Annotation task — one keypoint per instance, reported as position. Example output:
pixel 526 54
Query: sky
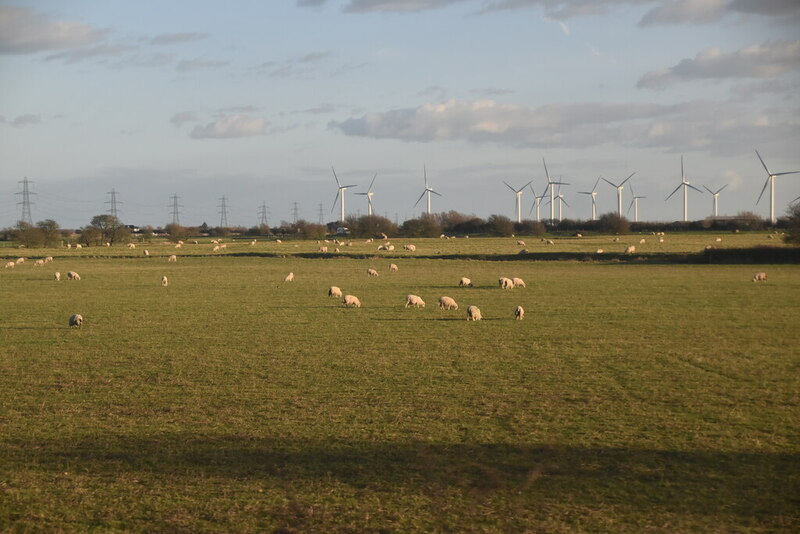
pixel 255 102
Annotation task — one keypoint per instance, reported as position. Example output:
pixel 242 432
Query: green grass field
pixel 633 397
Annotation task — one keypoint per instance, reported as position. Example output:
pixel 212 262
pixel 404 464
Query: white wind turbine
pixel 619 188
pixel 634 205
pixel 771 182
pixel 550 185
pixel 340 191
pixel 369 195
pixel 715 197
pixel 518 195
pixel 537 202
pixel 559 197
pixel 428 190
pixel 686 185
pixel 593 194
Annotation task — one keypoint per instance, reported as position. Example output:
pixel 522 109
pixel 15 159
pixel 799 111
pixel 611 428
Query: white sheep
pixel 48 259
pixel 465 282
pixel 641 241
pixel 224 245
pixel 20 260
pixel 164 281
pixel 38 263
pixel 69 245
pixel 411 248
pixel 521 243
pixel 351 301
pixel 10 265
pixel 473 313
pixel 57 276
pixel 599 251
pixel 334 291
pixel 322 249
pixel 278 241
pixel 252 243
pixel 172 258
pixel 447 303
pixel 518 282
pixel 550 242
pixel 506 283
pixel 75 320
pixel 107 244
pixel 72 275
pixel 180 242
pixel 216 248
pixel 336 250
pixel 289 278
pixel 718 240
pixel 630 250
pixel 215 241
pixel 390 247
pixel 372 272
pixel 523 251
pixel 393 267
pixel 146 252
pixel 130 245
pixel 178 245
pixel 660 239
pixel 78 246
pixel 760 277
pixel 519 313
pixel 414 300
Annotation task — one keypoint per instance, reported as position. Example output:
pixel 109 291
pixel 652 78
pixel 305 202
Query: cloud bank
pixel 24 31
pixel 230 127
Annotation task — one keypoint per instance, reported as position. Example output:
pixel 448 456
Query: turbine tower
pixel 518 195
pixel 593 194
pixel 771 182
pixel 369 194
pixel 340 191
pixel 685 186
pixel 550 185
pixel 634 205
pixel 537 202
pixel 619 188
pixel 715 198
pixel 428 190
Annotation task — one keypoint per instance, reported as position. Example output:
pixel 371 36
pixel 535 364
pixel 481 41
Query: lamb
pixel 760 277
pixel 473 313
pixel 465 282
pixel 72 275
pixel 519 313
pixel 172 258
pixel 289 278
pixel 351 301
pixel 518 282
pixel 447 303
pixel 414 300
pixel 164 281
pixel 57 276
pixel 630 250
pixel 10 265
pixel 75 320
pixel 69 245
pixel 412 248
pixel 393 267
pixel 372 272
pixel 506 283
pixel 334 292
pixel 224 245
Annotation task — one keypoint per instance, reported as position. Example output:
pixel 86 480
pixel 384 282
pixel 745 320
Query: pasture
pixel 632 397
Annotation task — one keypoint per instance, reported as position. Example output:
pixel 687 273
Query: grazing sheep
pixel 278 241
pixel 412 248
pixel 20 260
pixel 521 243
pixel 518 282
pixel 289 278
pixel 216 248
pixel 519 313
pixel 372 272
pixel 760 277
pixel 146 252
pixel 630 250
pixel 600 251
pixel 393 268
pixel 322 249
pixel 107 244
pixel 770 236
pixel 465 282
pixel 390 248
pixel 660 239
pixel 224 245
pixel 336 250
pixel 72 275
pixel 506 283
pixel 253 242
pixel 473 313
pixel 382 247
pixel 334 292
pixel 78 246
pixel 615 240
pixel 164 281
pixel 75 320
pixel 523 251
pixel 10 265
pixel 550 242
pixel 215 241
pixel 579 234
pixel 414 300
pixel 351 301
pixel 180 242
pixel 38 263
pixel 57 276
pixel 447 303
pixel 179 245
pixel 130 245
pixel 641 241
pixel 48 259
pixel 69 245
pixel 172 258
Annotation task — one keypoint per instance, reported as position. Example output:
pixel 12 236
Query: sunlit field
pixel 634 396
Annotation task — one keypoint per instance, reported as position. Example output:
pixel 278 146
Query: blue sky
pixel 255 101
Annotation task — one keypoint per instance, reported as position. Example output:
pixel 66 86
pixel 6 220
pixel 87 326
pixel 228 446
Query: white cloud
pixel 23 120
pixel 23 31
pixel 91 52
pixel 402 6
pixel 179 119
pixel 177 38
pixel 231 126
pixel 766 60
pixel 188 65
pixel 686 12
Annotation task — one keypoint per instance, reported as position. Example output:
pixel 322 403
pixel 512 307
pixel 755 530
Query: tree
pixel 425 226
pixel 793 225
pixel 309 230
pixel 500 225
pixel 176 232
pixel 370 226
pixel 28 235
pixel 611 223
pixel 110 229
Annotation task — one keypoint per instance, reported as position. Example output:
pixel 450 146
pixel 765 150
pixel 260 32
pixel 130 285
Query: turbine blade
pixel 763 188
pixel 372 182
pixel 682 180
pixel 526 185
pixel 762 163
pixel 795 200
pixel 532 189
pixel 334 200
pixel 514 190
pixel 626 179
pixel 435 193
pixel 584 192
pixel 425 173
pixel 337 178
pixel 545 170
pixel 782 173
pixel 595 184
pixel 630 206
pixel 610 183
pixel 675 191
pixel 709 190
pixel 693 187
pixel 565 202
pixel 420 198
pixel 351 185
pixel 720 189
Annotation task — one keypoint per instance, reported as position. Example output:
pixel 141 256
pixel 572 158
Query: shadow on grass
pixel 751 485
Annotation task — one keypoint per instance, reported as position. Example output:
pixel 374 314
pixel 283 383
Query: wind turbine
pixel 593 193
pixel 561 202
pixel 771 181
pixel 634 205
pixel 715 197
pixel 518 194
pixel 369 194
pixel 550 185
pixel 428 190
pixel 537 202
pixel 619 187
pixel 340 191
pixel 685 186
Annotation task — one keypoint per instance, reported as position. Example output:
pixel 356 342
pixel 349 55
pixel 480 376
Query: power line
pixel 176 218
pixel 295 211
pixel 223 213
pixel 321 216
pixel 263 213
pixel 26 201
pixel 113 211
